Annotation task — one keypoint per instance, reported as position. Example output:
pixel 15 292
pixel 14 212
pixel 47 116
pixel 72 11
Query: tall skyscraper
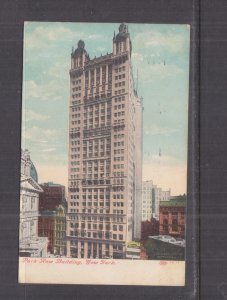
pixel 105 157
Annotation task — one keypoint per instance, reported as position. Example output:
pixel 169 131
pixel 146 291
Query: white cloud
pixel 40 37
pixel 60 70
pixel 49 150
pixel 153 39
pixel 43 37
pixel 151 72
pixel 137 56
pixel 100 50
pixel 41 135
pixel 92 36
pixel 51 90
pixel 30 115
pixel 158 130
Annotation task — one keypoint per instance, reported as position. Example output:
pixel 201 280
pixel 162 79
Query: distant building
pixel 151 197
pixel 29 243
pixel 52 217
pixel 172 217
pixel 149 228
pixel 53 195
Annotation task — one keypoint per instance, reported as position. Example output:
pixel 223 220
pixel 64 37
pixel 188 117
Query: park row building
pixel 105 157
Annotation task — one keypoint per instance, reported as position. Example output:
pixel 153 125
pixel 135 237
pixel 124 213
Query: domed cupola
pixel 122 42
pixel 79 56
pixel 123 32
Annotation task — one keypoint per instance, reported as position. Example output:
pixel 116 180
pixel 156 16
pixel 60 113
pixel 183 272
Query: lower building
pixel 46 228
pixel 172 217
pixel 133 250
pixel 60 231
pixel 149 228
pixel 165 248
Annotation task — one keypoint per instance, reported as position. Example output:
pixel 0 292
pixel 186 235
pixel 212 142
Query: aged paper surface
pixel 104 154
pixel 115 272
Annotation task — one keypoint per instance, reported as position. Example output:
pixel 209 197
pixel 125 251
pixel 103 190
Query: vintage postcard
pixel 104 153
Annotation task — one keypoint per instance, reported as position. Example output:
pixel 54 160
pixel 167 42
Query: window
pixel 174 225
pixel 121 237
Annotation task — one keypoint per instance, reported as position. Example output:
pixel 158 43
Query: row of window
pixel 96 218
pixel 78 95
pixel 119 114
pixel 118 92
pixel 76 81
pixel 121 69
pixel 75 108
pixel 118 84
pixel 77 102
pixel 119 76
pixel 75 156
pixel 75 89
pixel 96 226
pixel 119 158
pixel 75 116
pixel 117 144
pixel 119 106
pixel 94 203
pixel 118 166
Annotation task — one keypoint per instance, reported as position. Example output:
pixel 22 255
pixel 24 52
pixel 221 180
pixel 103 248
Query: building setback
pixel 105 158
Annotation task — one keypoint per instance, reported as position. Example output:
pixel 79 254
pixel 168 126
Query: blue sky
pixel 160 53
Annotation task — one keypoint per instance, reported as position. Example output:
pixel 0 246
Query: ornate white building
pixel 30 244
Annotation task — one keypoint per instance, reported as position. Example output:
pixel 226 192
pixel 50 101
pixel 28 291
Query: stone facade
pixel 29 243
pixel 105 158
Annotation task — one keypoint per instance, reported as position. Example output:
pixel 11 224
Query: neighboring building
pixel 46 227
pixel 149 228
pixel 60 231
pixel 53 195
pixel 151 197
pixel 105 157
pixel 133 250
pixel 172 217
pixel 29 242
pixel 52 201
